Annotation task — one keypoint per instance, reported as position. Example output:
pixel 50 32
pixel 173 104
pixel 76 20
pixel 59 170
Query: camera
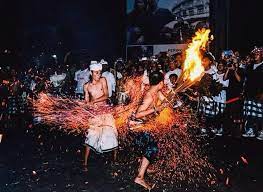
pixel 228 53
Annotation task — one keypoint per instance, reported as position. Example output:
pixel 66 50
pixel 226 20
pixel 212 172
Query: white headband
pixel 103 62
pixel 144 59
pixel 95 66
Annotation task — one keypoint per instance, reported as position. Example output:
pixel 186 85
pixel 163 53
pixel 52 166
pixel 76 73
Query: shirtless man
pixel 96 91
pixel 96 94
pixel 149 106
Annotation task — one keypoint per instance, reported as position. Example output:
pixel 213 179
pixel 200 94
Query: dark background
pixel 98 27
pixel 236 24
pixel 57 26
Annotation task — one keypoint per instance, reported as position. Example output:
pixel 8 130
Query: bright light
pixel 193 70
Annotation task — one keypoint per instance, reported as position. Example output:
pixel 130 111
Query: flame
pixel 192 67
pixel 193 63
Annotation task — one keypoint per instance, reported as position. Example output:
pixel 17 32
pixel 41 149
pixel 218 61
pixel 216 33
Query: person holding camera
pixel 233 111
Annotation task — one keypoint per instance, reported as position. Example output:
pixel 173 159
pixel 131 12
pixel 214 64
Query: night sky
pixel 62 25
pixel 98 27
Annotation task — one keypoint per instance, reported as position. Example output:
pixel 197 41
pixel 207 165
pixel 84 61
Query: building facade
pixel 191 10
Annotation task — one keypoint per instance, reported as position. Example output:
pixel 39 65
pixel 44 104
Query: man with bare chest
pixel 96 91
pixel 145 142
pixel 102 133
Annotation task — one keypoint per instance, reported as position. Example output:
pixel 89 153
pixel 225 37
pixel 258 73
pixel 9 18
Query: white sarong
pixel 102 134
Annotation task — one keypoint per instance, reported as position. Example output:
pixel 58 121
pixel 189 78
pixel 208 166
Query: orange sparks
pixel 165 117
pixel 179 158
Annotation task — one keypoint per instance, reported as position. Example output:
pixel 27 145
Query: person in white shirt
pixel 57 80
pixel 212 70
pixel 219 77
pixel 208 61
pixel 82 76
pixel 111 82
pixel 220 99
pixel 172 70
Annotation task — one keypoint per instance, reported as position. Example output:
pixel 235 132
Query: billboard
pixel 139 51
pixel 152 22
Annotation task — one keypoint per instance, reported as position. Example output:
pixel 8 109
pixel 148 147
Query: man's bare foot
pixel 141 182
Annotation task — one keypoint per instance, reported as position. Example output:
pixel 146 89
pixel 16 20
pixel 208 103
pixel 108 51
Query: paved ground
pixel 41 160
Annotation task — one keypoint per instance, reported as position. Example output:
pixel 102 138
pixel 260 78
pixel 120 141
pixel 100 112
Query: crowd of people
pixel 235 110
pixel 229 96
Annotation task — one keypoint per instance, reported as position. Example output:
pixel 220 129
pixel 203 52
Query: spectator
pixel 220 99
pixel 253 106
pixel 111 82
pixel 206 106
pixel 57 80
pixel 178 57
pixel 172 70
pixel 172 80
pixel 208 63
pixel 82 76
pixel 235 75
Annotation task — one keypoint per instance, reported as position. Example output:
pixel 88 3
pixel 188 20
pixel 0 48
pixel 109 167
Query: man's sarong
pixel 102 134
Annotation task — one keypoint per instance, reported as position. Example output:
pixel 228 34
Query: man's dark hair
pixel 209 56
pixel 173 75
pixel 156 77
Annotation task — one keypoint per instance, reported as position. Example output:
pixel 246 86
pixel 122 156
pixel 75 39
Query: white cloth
pixel 209 107
pixel 81 77
pixel 257 65
pixel 242 66
pixel 221 97
pixel 57 79
pixel 102 133
pixel 33 85
pixel 103 62
pixel 93 62
pixel 144 59
pixel 111 82
pixel 167 77
pixel 119 75
pixel 95 66
pixel 212 70
pixel 253 109
pixel 145 78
